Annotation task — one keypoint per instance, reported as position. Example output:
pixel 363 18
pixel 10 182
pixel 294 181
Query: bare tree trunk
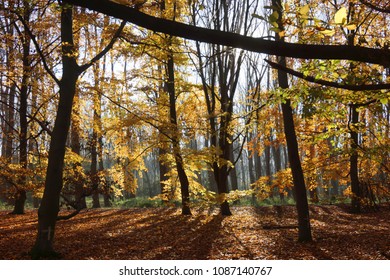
pixel 354 136
pixel 267 158
pixel 163 171
pixel 20 198
pixel 354 172
pixel 304 229
pixel 184 183
pixel 233 174
pixel 96 132
pixel 75 139
pixel 49 208
pixel 278 166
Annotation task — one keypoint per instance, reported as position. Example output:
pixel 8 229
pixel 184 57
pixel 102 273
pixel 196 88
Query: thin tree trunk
pixel 233 174
pixel 267 158
pixel 354 173
pixel 21 196
pixel 184 183
pixel 75 140
pixel 304 229
pixel 96 131
pixel 76 148
pixel 163 171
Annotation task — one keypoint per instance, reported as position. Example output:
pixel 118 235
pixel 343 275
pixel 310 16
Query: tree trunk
pixel 76 148
pixel 49 208
pixel 96 132
pixel 267 157
pixel 20 198
pixel 221 170
pixel 354 136
pixel 184 183
pixel 304 229
pixel 278 166
pixel 79 191
pixel 163 171
pixel 233 174
pixel 94 171
pixel 354 173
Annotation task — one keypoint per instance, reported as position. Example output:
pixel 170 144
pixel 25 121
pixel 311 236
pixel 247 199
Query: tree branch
pixel 106 49
pixel 327 83
pixel 306 51
pixel 376 8
pixel 37 47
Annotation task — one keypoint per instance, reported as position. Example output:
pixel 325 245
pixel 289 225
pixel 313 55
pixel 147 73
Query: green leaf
pixel 341 16
pixel 273 17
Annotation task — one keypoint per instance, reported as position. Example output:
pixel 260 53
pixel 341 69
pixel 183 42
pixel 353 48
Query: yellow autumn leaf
pixel 328 32
pixel 304 10
pixel 351 26
pixel 341 16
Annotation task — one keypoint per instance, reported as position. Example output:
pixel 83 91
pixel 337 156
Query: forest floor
pixel 162 233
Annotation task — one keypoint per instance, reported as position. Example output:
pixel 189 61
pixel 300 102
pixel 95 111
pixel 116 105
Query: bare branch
pixel 37 47
pixel 106 49
pixel 376 8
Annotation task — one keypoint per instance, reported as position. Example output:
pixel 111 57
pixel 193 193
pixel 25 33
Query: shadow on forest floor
pixel 162 233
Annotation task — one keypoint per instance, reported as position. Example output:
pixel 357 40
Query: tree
pixel 174 135
pixel 304 230
pixel 219 69
pixel 49 208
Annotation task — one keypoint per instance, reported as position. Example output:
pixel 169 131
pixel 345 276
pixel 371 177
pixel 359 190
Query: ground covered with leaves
pixel 162 233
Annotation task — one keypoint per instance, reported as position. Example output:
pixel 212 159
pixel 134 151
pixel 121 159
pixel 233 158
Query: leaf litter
pixel 163 234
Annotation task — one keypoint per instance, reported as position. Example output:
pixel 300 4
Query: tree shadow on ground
pixel 158 235
pixel 163 233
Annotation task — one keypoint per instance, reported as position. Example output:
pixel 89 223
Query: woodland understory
pixel 164 234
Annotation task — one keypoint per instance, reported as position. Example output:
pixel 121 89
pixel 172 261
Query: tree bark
pixel 184 183
pixel 49 208
pixel 304 229
pixel 20 197
pixel 353 161
pixel 163 171
pixel 233 174
pixel 76 148
pixel 96 131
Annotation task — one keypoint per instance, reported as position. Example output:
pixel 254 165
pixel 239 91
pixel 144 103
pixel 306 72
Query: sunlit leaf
pixel 341 16
pixel 328 32
pixel 304 10
pixel 351 26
